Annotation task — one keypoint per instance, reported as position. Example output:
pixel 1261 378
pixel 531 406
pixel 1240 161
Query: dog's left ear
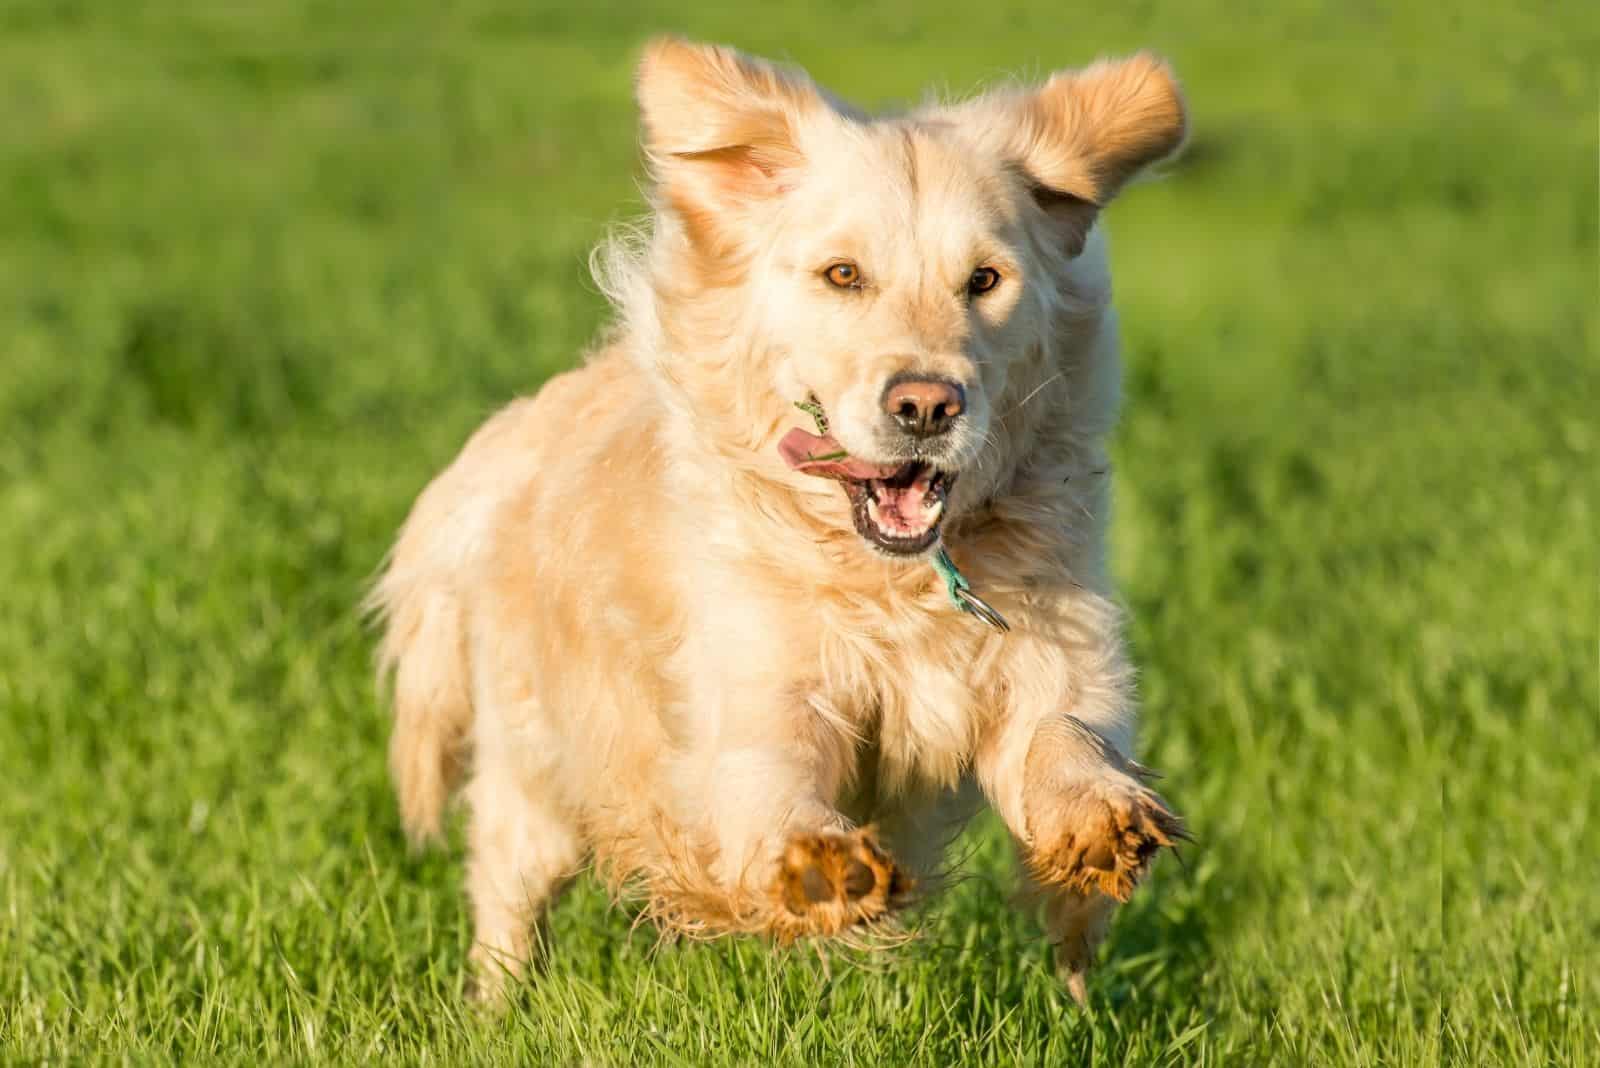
pixel 1083 134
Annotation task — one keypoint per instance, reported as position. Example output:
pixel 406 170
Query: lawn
pixel 264 266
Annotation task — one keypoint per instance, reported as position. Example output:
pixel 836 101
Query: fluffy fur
pixel 631 634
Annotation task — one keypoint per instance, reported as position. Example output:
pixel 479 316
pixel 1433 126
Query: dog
pixel 807 559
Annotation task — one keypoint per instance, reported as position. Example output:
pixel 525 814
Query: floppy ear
pixel 720 129
pixel 1083 134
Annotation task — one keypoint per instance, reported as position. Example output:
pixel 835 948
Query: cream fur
pixel 648 642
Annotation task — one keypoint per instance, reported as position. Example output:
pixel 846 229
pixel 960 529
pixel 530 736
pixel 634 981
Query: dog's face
pixel 891 271
pixel 892 294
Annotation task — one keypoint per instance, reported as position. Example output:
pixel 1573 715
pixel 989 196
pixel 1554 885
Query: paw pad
pixel 827 882
pixel 1104 840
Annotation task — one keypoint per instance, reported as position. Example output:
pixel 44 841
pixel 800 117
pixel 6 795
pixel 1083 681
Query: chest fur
pixel 916 693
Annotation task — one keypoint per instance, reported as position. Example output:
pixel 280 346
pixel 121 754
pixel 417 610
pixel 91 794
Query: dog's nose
pixel 924 406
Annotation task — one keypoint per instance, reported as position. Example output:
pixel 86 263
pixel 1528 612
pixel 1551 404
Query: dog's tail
pixel 425 656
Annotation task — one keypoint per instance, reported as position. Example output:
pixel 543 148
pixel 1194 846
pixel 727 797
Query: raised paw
pixel 1101 837
pixel 832 880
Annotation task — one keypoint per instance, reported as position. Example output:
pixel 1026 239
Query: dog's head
pixel 895 272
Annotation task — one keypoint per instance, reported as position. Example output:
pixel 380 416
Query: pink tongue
pixel 821 455
pixel 906 502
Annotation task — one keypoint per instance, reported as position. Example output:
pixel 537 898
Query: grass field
pixel 263 267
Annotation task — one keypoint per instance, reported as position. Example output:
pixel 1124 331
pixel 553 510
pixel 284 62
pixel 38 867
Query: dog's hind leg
pixel 523 847
pixel 1076 925
pixel 919 829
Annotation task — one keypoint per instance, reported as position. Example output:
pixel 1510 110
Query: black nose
pixel 924 406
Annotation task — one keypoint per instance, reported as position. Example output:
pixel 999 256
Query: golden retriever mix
pixel 694 612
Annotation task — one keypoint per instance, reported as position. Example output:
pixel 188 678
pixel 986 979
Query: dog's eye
pixel 843 274
pixel 983 280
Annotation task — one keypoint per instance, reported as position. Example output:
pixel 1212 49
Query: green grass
pixel 263 267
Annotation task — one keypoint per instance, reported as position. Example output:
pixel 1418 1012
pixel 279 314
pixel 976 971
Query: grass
pixel 262 268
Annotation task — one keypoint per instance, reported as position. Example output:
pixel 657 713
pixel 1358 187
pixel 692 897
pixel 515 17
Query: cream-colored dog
pixel 663 619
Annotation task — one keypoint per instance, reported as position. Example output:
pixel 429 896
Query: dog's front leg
pixel 1055 763
pixel 759 779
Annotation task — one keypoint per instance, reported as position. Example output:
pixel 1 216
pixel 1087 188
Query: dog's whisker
pixel 990 442
pixel 1036 391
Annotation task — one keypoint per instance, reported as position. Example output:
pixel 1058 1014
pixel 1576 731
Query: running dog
pixel 808 558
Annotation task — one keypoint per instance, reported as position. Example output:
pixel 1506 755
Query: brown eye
pixel 843 275
pixel 983 280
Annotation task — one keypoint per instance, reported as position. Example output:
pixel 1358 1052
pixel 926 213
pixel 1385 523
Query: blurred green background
pixel 264 266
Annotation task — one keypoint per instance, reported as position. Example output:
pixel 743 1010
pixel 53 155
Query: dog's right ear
pixel 720 129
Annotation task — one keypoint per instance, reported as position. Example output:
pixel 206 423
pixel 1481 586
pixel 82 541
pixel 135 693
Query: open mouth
pixel 896 507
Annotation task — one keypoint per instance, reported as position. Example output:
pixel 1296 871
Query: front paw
pixel 1100 835
pixel 829 881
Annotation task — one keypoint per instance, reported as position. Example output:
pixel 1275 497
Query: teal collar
pixel 961 594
